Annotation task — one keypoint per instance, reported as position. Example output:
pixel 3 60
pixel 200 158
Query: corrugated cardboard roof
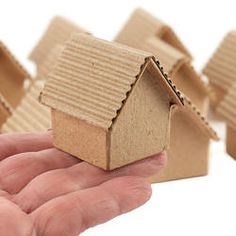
pixel 221 68
pixel 142 26
pixel 30 115
pixel 92 79
pixel 227 108
pixel 58 32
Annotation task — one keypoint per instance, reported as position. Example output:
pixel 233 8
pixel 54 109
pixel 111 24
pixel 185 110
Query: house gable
pixel 142 127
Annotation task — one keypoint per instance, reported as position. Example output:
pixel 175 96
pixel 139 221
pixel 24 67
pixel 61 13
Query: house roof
pixel 143 25
pixel 221 68
pixel 49 62
pixel 30 115
pixel 93 77
pixel 6 52
pixel 58 31
pixel 227 108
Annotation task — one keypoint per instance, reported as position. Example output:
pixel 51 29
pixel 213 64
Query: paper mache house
pixel 221 69
pixel 112 104
pixel 141 25
pixel 12 83
pixel 30 115
pixel 227 109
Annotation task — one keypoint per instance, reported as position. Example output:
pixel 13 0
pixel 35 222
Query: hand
pixel 44 191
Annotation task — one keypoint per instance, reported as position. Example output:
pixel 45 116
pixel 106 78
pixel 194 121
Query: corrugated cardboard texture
pixel 231 141
pixel 142 127
pixel 30 115
pixel 188 152
pixel 58 31
pixel 79 138
pixel 104 77
pixel 221 68
pixel 92 79
pixel 227 108
pixel 142 26
pixel 12 77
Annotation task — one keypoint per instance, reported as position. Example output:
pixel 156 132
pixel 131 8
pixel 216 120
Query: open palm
pixel 46 192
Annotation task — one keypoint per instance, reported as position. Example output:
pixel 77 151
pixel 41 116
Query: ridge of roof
pixel 118 68
pixel 15 60
pixel 227 107
pixel 201 119
pixel 57 32
pixel 221 67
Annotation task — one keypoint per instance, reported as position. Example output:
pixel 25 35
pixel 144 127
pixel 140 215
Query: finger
pixel 13 221
pixel 59 182
pixel 11 144
pixel 71 214
pixel 19 170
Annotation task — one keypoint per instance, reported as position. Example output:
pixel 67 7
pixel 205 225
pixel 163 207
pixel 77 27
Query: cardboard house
pixel 111 104
pixel 58 31
pixel 221 69
pixel 227 109
pixel 30 115
pixel 142 25
pixel 178 67
pixel 12 82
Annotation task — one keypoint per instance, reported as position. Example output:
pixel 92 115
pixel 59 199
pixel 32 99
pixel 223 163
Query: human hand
pixel 46 192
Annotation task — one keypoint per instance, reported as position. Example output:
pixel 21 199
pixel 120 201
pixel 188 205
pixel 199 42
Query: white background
pixel 199 206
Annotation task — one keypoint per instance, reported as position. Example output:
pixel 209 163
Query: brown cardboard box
pixel 30 115
pixel 12 80
pixel 58 31
pixel 227 110
pixel 142 26
pixel 221 69
pixel 178 66
pixel 111 104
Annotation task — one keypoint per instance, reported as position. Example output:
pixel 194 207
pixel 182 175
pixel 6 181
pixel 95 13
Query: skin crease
pixel 46 192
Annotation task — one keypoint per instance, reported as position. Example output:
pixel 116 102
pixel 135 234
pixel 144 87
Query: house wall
pixel 185 79
pixel 142 127
pixel 231 142
pixel 188 152
pixel 80 139
pixel 11 79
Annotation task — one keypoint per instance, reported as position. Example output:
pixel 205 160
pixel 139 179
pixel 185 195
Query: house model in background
pixel 30 115
pixel 227 109
pixel 221 69
pixel 58 31
pixel 112 105
pixel 13 79
pixel 142 25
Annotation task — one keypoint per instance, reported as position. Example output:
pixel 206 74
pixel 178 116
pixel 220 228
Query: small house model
pixel 12 83
pixel 142 26
pixel 221 69
pixel 227 109
pixel 111 104
pixel 58 31
pixel 30 115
